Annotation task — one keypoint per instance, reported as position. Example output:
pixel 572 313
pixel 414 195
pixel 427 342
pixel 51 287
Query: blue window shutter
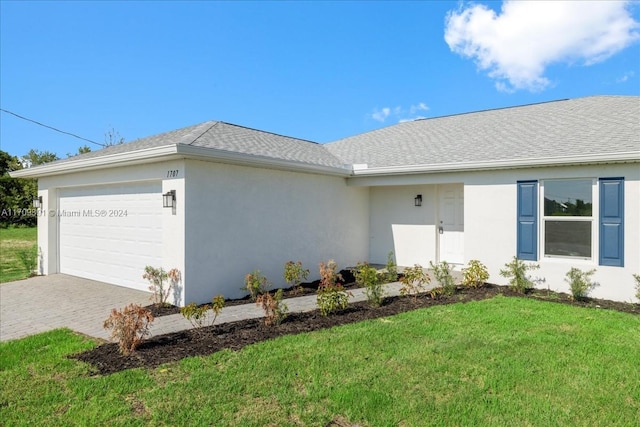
pixel 527 220
pixel 612 221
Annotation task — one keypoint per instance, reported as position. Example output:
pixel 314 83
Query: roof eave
pixel 633 156
pixel 242 159
pixel 174 151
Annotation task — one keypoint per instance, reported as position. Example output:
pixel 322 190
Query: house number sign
pixel 172 173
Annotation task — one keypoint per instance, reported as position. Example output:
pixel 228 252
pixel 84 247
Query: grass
pixel 504 361
pixel 19 252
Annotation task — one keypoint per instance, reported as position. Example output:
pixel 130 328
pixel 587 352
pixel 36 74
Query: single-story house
pixel 555 183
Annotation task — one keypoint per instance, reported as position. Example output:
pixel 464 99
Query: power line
pixel 51 127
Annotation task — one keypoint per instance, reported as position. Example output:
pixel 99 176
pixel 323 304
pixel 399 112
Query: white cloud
pixel 380 115
pixel 399 113
pixel 516 45
pixel 625 77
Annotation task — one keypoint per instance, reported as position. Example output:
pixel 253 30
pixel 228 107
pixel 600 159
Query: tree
pixel 81 150
pixel 112 137
pixel 16 194
pixel 36 157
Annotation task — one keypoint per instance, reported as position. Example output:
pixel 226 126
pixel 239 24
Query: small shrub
pixel 328 273
pixel 367 277
pixel 255 284
pixel 275 311
pixel 29 259
pixel 436 292
pixel 157 278
pixel 476 275
pixel 442 273
pixel 129 327
pixel 637 277
pixel 391 274
pixel 516 272
pixel 580 282
pixel 413 281
pixel 331 295
pixel 332 298
pixel 294 274
pixel 200 316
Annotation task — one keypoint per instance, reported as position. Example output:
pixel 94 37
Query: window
pixel 568 218
pixel 572 221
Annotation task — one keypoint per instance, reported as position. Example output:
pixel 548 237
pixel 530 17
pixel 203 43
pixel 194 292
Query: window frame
pixel 593 219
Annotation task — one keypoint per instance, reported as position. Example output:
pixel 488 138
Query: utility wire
pixel 50 127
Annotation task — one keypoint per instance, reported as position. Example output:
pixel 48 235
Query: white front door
pixel 451 223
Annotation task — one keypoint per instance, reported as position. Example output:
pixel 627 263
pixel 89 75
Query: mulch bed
pixel 157 350
pixel 310 288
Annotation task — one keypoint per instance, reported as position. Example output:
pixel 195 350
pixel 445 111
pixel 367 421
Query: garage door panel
pixel 110 233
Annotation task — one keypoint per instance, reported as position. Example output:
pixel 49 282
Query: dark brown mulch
pixel 172 347
pixel 348 282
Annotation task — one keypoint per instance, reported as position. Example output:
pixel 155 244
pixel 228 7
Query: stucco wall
pixel 172 225
pixel 398 225
pixel 490 234
pixel 490 222
pixel 239 219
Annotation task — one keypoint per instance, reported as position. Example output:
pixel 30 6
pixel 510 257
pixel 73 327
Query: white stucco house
pixel 556 183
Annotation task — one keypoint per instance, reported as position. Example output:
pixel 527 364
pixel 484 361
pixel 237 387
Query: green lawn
pixel 504 361
pixel 19 251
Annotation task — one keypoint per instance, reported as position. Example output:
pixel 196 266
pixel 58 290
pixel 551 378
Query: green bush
pixel 199 316
pixel 255 284
pixel 391 273
pixel 29 259
pixel 331 294
pixel 476 275
pixel 332 298
pixel 414 279
pixel 367 277
pixel 516 272
pixel 580 282
pixel 294 274
pixel 442 273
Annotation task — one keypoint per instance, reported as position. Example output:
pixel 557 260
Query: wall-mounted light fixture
pixel 37 202
pixel 418 200
pixel 169 200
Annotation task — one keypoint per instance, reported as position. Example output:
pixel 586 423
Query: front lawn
pixel 503 361
pixel 19 251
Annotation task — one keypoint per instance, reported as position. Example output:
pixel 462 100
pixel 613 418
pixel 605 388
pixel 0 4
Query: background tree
pixel 36 157
pixel 81 150
pixel 112 137
pixel 16 194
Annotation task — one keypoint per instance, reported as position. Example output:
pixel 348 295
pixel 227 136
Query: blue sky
pixel 314 70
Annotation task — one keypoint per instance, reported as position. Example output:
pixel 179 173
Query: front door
pixel 451 223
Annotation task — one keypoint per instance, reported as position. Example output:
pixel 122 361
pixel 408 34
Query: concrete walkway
pixel 44 303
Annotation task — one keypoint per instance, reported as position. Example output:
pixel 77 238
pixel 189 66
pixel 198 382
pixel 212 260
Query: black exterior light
pixel 37 202
pixel 418 200
pixel 169 199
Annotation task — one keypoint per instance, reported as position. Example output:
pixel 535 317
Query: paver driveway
pixel 43 303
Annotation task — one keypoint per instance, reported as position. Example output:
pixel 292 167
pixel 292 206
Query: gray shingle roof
pixel 583 126
pixel 597 125
pixel 231 138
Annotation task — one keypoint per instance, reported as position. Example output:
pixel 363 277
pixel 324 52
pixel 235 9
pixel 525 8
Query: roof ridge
pixel 270 133
pixel 499 108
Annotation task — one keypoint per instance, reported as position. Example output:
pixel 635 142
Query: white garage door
pixel 111 232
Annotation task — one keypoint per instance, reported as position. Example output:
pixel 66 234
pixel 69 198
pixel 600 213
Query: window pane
pixel 568 198
pixel 568 238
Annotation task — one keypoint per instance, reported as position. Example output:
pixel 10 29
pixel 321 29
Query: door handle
pixel 440 230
